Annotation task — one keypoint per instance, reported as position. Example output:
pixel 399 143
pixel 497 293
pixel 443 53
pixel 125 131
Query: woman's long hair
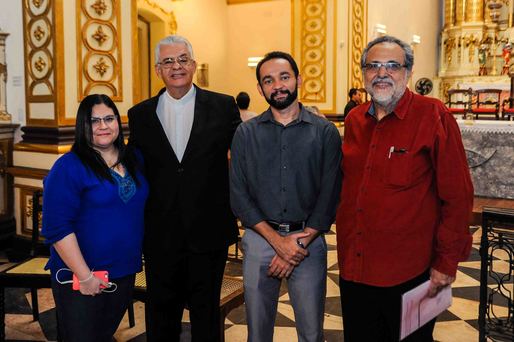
pixel 83 145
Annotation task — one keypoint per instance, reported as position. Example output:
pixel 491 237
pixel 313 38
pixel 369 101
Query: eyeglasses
pixel 108 120
pixel 390 67
pixel 168 63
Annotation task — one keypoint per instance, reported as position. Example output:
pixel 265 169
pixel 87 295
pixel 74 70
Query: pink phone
pixel 103 275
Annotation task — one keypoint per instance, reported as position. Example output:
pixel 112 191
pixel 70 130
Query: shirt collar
pixel 401 107
pixel 190 94
pixel 267 116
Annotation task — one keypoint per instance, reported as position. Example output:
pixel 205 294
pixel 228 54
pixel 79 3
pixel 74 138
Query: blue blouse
pixel 107 218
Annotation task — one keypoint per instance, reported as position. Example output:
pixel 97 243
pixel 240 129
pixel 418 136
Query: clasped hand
pixel 289 255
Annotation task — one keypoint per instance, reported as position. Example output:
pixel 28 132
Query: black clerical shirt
pixel 286 173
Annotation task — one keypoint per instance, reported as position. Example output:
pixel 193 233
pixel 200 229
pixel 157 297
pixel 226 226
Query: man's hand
pixel 288 249
pixel 279 268
pixel 438 280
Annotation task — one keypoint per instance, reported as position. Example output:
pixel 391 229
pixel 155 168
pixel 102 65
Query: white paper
pixel 418 308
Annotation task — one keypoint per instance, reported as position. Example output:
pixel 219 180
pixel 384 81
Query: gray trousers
pixel 306 286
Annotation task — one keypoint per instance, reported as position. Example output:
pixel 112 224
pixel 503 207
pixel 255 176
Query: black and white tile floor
pixel 458 323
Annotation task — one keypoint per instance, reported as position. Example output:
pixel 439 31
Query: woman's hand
pixel 91 286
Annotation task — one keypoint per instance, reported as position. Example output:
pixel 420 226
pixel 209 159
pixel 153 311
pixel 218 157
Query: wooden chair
pixel 459 101
pixel 29 273
pixel 487 104
pixel 508 109
pixel 232 296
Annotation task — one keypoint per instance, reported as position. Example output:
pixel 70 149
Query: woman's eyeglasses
pixel 108 120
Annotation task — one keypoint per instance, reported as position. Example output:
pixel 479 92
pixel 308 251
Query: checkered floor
pixel 459 323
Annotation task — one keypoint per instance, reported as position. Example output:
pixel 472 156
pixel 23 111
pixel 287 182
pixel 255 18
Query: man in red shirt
pixel 405 199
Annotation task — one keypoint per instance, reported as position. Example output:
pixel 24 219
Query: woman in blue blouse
pixel 93 206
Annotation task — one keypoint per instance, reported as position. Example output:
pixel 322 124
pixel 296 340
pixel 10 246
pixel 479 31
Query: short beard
pixel 291 97
pixel 390 103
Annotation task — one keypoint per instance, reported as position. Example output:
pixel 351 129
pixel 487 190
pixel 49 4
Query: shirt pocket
pixel 398 170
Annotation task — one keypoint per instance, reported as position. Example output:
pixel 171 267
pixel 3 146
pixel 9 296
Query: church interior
pixel 53 53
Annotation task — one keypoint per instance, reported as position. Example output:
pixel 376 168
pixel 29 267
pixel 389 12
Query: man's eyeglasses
pixel 108 120
pixel 167 63
pixel 391 67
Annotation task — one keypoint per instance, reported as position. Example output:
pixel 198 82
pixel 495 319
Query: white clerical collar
pixel 190 94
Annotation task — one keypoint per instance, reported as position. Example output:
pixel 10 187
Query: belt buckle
pixel 283 227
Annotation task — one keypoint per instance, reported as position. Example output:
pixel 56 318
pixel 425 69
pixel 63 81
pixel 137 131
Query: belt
pixel 287 227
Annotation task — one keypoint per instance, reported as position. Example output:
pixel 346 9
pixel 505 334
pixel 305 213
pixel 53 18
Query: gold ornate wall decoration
pixel 313 50
pixel 172 20
pixel 449 44
pixel 40 64
pixel 99 48
pixel 100 7
pixel 357 37
pixel 42 23
pixel 39 33
pixel 37 3
pixel 100 36
pixel 101 67
pixel 471 42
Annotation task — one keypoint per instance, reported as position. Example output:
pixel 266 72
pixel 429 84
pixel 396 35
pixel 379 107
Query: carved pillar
pixel 460 12
pixel 449 13
pixel 474 11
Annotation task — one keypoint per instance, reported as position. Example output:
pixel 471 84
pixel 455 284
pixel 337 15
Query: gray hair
pixel 409 54
pixel 170 40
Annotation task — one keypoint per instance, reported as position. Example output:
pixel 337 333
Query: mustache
pixel 278 92
pixel 382 79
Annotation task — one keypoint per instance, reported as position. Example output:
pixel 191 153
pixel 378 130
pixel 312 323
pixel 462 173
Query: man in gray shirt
pixel 284 180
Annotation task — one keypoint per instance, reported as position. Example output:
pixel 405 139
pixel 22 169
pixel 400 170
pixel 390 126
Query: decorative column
pixel 449 13
pixel 474 11
pixel 460 12
pixel 4 116
pixel 315 50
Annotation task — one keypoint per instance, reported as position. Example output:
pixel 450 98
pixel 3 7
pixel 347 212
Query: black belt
pixel 287 227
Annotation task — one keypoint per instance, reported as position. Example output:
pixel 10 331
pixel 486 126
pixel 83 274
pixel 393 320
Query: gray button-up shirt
pixel 286 173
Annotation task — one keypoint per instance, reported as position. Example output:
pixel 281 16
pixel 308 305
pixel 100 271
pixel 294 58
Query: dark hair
pixel 407 50
pixel 277 55
pixel 83 145
pixel 243 100
pixel 352 92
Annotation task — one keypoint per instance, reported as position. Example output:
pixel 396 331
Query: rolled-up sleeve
pixel 61 199
pixel 455 190
pixel 242 204
pixel 324 211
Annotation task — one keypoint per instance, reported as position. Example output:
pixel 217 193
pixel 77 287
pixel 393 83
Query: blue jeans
pixel 306 286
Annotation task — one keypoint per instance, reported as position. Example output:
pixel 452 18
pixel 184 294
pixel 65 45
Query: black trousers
pixel 372 313
pixel 192 279
pixel 86 318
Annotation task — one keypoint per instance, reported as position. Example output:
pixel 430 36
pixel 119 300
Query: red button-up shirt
pixel 406 196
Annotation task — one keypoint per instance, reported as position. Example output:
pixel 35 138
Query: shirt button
pixel 373 146
pixel 283 189
pixel 359 233
pixel 284 167
pixel 284 147
pixel 358 254
pixel 359 210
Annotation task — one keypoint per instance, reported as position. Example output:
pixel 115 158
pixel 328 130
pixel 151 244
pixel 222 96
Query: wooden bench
pixel 232 296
